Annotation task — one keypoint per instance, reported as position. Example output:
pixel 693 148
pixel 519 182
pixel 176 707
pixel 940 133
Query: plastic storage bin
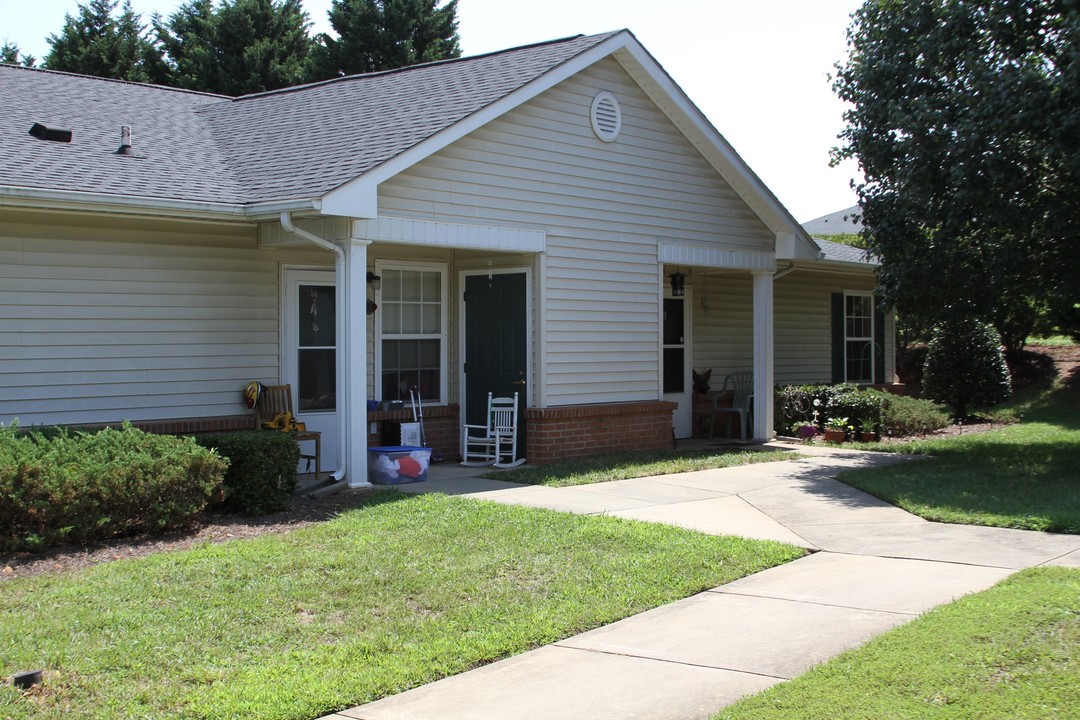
pixel 398 464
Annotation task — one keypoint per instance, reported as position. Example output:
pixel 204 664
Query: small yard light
pixel 678 284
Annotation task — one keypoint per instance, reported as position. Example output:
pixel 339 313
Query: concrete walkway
pixel 875 567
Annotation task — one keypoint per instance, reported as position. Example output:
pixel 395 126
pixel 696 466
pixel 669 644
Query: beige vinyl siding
pixel 122 319
pixel 724 334
pixel 604 207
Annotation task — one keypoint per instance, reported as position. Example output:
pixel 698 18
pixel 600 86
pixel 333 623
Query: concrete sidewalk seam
pixel 667 661
pixel 721 591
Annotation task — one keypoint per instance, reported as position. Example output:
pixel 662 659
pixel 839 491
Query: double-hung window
pixel 412 331
pixel 859 338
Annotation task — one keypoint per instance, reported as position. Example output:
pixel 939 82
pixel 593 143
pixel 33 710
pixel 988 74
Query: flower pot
pixel 834 436
pixel 868 436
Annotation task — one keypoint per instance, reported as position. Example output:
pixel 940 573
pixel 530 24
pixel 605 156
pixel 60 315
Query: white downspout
pixel 341 310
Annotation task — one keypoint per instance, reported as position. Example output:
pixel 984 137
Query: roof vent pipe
pixel 125 141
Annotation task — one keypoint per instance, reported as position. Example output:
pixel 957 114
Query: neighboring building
pixel 510 222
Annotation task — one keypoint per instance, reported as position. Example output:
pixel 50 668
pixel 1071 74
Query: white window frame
pixel 868 339
pixel 444 271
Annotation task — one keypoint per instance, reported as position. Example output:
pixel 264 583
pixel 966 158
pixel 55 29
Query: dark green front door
pixel 496 345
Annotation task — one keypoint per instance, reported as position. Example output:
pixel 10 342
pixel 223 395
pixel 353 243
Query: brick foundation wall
pixel 182 426
pixel 576 431
pixel 442 428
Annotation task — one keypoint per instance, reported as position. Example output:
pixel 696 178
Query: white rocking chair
pixel 496 442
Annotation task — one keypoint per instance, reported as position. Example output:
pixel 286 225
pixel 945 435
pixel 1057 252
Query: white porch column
pixel 353 370
pixel 763 355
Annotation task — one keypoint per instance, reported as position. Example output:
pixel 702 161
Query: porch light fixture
pixel 678 284
pixel 375 280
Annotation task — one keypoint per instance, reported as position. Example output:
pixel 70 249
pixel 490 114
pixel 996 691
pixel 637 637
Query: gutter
pixel 77 200
pixel 339 472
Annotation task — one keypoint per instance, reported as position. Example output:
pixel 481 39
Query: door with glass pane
pixel 309 353
pixel 676 371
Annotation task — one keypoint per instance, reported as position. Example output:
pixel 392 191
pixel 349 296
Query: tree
pixel 376 35
pixel 965 119
pixel 244 46
pixel 96 43
pixel 11 54
pixel 965 367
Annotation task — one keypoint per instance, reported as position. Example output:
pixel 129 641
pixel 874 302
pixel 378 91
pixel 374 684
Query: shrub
pixel 795 406
pixel 965 367
pixel 902 415
pixel 262 469
pixel 60 486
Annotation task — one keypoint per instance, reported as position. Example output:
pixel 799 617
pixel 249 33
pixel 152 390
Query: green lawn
pixel 395 594
pixel 605 468
pixel 1023 476
pixel 1007 653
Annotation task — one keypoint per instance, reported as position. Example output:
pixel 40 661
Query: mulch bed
pixel 216 527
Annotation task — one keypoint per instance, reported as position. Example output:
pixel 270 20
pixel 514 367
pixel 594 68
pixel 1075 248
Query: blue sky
pixel 758 70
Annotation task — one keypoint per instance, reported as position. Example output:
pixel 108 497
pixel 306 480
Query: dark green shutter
pixel 838 337
pixel 879 344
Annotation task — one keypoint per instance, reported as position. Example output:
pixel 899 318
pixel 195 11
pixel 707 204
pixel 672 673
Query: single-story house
pixel 557 220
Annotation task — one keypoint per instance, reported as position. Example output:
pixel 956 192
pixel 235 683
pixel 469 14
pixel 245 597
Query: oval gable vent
pixel 606 116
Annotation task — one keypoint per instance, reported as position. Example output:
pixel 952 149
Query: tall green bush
pixel 262 469
pixel 965 366
pixel 82 487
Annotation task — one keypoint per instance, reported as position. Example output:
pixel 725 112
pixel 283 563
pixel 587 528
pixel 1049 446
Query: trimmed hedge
pixel 61 486
pixel 262 469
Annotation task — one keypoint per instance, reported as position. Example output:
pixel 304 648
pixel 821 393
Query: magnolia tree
pixel 965 120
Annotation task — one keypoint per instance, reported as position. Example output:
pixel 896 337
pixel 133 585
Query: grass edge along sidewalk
pixel 395 594
pixel 1008 652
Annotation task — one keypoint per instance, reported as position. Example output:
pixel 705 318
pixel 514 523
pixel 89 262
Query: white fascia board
pixel 681 110
pixel 367 184
pixel 80 201
pixel 47 199
pixel 674 253
pixel 406 231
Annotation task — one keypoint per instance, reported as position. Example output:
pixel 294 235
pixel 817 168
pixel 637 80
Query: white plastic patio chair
pixel 741 385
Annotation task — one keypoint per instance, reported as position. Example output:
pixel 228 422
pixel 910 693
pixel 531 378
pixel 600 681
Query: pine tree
pixel 12 55
pixel 97 43
pixel 376 35
pixel 244 46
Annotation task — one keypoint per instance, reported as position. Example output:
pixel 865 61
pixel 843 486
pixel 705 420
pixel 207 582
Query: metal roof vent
pixel 43 132
pixel 606 116
pixel 125 141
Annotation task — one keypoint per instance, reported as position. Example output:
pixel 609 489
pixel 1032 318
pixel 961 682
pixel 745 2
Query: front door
pixel 496 344
pixel 309 354
pixel 676 373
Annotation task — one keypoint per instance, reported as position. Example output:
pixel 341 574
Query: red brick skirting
pixel 182 426
pixel 579 430
pixel 442 428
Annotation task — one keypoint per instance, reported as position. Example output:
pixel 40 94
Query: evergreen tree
pixel 97 43
pixel 12 55
pixel 244 46
pixel 376 35
pixel 965 367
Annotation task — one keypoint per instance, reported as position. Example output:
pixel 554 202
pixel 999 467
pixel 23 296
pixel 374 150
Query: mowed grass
pixel 1007 653
pixel 395 594
pixel 1024 476
pixel 623 466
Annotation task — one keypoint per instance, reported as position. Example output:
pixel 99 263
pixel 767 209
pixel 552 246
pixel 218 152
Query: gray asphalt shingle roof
pixel 838 252
pixel 289 144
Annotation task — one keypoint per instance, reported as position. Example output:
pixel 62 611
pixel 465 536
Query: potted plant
pixel 804 430
pixel 866 431
pixel 836 429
